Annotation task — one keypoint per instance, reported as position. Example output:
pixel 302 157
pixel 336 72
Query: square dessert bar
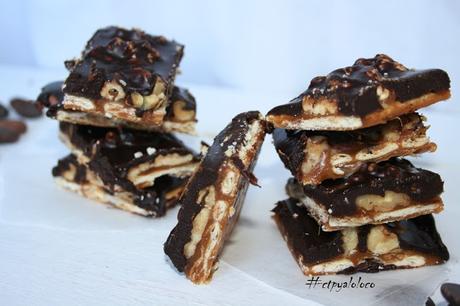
pixel 180 112
pixel 370 248
pixel 125 75
pixel 213 197
pixel 314 156
pixel 127 163
pixel 152 201
pixel 372 91
pixel 377 193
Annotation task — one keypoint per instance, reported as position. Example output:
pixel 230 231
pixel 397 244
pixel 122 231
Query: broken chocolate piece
pixel 180 113
pixel 371 248
pixel 377 193
pixel 123 74
pixel 150 202
pixel 123 156
pixel 213 197
pixel 314 156
pixel 11 130
pixel 370 92
pixel 26 108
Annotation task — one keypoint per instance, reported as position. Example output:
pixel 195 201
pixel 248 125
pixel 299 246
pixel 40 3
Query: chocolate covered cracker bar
pixel 370 248
pixel 377 193
pixel 137 157
pixel 314 156
pixel 153 201
pixel 123 75
pixel 370 92
pixel 213 197
pixel 180 112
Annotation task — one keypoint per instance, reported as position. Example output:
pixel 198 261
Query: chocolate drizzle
pixel 206 175
pixel 306 239
pixel 132 58
pixel 397 174
pixel 355 88
pixel 180 94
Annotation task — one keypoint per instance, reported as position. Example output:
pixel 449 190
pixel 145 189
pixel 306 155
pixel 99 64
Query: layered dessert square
pixel 123 75
pixel 213 197
pixel 377 193
pixel 371 248
pixel 370 92
pixel 314 156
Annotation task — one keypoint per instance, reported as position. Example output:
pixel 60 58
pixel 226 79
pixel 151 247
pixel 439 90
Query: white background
pixel 265 45
pixel 57 248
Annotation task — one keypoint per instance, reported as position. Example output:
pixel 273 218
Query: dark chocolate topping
pixel 314 245
pixel 112 151
pixel 354 88
pixel 397 175
pixel 131 57
pixel 304 234
pixel 206 175
pixel 151 199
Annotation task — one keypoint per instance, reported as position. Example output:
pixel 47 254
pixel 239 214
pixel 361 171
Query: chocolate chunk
pixel 451 292
pixel 26 108
pixel 397 175
pixel 3 112
pixel 132 58
pixel 10 130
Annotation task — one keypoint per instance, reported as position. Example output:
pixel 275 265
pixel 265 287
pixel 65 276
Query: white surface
pixel 59 249
pixel 262 44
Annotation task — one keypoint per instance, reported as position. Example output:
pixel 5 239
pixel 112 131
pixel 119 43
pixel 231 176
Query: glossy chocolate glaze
pixel 180 94
pixel 306 238
pixel 354 88
pixel 397 175
pixel 151 199
pixel 112 151
pixel 205 175
pixel 131 57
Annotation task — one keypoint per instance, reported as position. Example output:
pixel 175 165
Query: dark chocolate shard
pixel 51 97
pixel 3 112
pixel 132 58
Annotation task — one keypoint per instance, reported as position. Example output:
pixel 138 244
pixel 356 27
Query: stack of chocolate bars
pixel 355 204
pixel 117 110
